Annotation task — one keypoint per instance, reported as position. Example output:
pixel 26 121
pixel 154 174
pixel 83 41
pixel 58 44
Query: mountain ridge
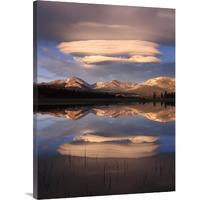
pixel 158 85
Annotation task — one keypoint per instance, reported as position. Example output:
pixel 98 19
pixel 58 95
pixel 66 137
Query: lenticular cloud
pixel 100 51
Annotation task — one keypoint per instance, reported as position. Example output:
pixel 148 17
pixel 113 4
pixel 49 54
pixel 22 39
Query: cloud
pixel 110 48
pixel 132 72
pixel 57 66
pixel 112 51
pixel 106 59
pixel 61 21
pixel 99 25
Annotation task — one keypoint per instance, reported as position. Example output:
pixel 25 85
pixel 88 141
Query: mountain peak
pixel 77 83
pixel 74 78
pixel 159 80
pixel 147 88
pixel 115 81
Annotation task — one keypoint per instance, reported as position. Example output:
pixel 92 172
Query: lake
pixel 104 149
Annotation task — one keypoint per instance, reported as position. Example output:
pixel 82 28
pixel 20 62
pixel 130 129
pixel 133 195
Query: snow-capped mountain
pixel 113 85
pixel 158 85
pixel 147 88
pixel 72 83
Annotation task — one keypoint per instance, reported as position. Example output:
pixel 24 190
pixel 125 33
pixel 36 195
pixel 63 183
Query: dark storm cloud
pixel 61 21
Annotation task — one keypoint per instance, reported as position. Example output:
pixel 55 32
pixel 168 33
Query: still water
pixel 105 149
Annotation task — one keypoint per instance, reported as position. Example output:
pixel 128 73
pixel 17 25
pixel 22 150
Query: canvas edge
pixel 35 152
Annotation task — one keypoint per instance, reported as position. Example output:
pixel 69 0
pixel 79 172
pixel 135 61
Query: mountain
pixel 158 85
pixel 114 86
pixel 71 83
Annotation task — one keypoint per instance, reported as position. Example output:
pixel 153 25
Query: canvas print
pixel 104 99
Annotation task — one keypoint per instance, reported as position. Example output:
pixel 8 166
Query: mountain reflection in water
pixel 156 113
pixel 105 149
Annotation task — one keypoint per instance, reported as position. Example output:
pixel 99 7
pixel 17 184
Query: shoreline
pixel 87 101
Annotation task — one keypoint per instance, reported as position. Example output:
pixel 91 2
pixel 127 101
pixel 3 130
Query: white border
pixel 16 98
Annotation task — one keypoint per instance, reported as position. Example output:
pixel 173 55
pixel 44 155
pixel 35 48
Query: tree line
pixel 45 91
pixel 166 95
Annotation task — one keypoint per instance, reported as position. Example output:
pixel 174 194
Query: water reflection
pixel 105 149
pixel 149 110
pixel 111 138
pixel 91 146
pixel 112 123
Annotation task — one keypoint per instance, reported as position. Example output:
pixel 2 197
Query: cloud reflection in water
pixel 97 146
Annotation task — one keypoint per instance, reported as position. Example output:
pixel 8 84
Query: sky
pixel 104 42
